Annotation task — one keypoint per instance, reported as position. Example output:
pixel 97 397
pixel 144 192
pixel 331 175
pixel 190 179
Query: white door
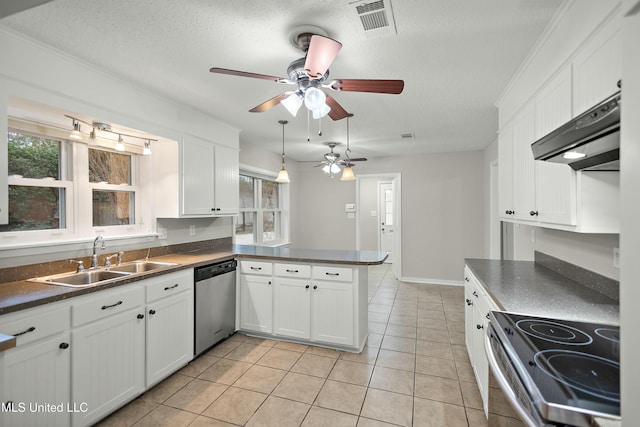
pixel 386 217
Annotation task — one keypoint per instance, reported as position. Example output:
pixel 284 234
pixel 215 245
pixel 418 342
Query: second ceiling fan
pixel 310 74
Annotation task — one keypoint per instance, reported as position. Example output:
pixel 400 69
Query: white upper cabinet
pixel 196 178
pixel 597 67
pixel 524 197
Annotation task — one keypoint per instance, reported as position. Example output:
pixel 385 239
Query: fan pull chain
pixel 308 127
pixel 320 126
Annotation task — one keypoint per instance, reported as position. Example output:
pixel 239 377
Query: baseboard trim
pixel 432 281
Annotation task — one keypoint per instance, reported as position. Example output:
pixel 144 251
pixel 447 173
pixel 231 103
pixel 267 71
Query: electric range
pixel 556 372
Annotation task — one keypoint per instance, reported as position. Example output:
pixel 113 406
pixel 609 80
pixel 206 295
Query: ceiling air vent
pixel 376 17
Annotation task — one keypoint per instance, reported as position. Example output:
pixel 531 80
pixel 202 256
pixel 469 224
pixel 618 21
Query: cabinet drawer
pixel 106 303
pixel 34 325
pixel 256 267
pixel 293 270
pixel 340 274
pixel 169 284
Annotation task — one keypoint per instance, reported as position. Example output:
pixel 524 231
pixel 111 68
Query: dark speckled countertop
pixel 528 287
pixel 20 295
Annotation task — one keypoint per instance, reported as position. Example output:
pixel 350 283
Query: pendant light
pixel 347 172
pixel 283 175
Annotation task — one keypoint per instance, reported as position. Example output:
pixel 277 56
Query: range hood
pixel 590 141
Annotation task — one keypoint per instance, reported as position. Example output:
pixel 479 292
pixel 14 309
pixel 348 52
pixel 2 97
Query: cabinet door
pixel 555 184
pixel 292 304
pixel 256 303
pixel 468 315
pixel 39 373
pixel 479 362
pixel 598 67
pixel 197 177
pixel 108 364
pixel 332 312
pixel 505 172
pixel 524 195
pixel 169 335
pixel 227 173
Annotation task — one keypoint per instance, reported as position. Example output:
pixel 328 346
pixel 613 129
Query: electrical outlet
pixel 616 257
pixel 192 230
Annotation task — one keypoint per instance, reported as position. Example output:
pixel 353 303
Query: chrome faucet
pixel 107 261
pixel 94 257
pixel 80 265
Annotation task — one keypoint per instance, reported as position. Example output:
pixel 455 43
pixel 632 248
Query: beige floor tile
pixel 404 311
pixel 299 387
pixel 378 317
pixel 457 337
pixel 166 388
pixel 403 320
pixel 431 323
pixel 374 340
pixel 434 335
pixel 223 348
pixel 225 371
pixel 436 366
pixel 456 326
pixel 310 364
pixel 429 413
pixel 377 327
pixel 368 422
pixel 261 341
pixel 393 380
pixel 260 378
pixel 235 405
pixel 476 417
pixel 322 417
pixel 460 353
pixel 291 346
pixel 277 412
pixel 430 306
pixel 438 388
pixel 321 351
pixel 341 397
pixel 249 353
pixel 198 365
pixel 368 355
pixel 396 360
pixel 388 407
pixel 378 308
pixel 465 372
pixel 498 403
pixel 280 359
pixel 401 331
pixel 434 349
pixel 454 316
pixel 165 416
pixel 196 396
pixel 351 372
pixel 502 421
pixel 203 421
pixel 471 395
pixel 128 415
pixel 405 345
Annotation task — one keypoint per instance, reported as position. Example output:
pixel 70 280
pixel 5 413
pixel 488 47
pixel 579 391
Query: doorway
pixel 379 216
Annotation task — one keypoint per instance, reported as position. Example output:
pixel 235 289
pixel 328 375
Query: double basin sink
pixel 102 275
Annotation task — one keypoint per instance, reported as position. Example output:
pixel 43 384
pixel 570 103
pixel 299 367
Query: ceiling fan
pixel 332 162
pixel 310 74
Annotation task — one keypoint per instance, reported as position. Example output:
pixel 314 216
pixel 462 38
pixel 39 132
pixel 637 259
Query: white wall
pixel 442 211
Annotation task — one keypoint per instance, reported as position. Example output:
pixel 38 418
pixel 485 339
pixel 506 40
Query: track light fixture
pixel 76 135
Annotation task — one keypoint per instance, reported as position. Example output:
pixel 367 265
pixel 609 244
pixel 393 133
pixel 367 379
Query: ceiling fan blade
pixel 321 53
pixel 337 112
pixel 269 103
pixel 358 159
pixel 217 70
pixel 394 87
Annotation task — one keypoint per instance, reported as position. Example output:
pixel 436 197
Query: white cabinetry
pixel 256 296
pixel 478 304
pixel 169 314
pixel 196 178
pixel 322 304
pixel 108 351
pixel 37 371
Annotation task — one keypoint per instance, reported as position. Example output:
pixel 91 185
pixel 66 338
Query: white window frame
pixel 283 209
pixel 78 199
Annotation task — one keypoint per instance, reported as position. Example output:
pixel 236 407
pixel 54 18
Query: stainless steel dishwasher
pixel 215 304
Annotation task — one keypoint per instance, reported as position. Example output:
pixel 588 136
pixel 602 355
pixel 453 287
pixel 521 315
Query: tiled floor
pixel 414 372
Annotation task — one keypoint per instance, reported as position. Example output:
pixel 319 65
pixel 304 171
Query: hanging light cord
pixel 347 152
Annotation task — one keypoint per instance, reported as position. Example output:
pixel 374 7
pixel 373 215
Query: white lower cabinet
pixel 478 306
pixel 35 375
pixel 169 318
pixel 108 354
pixel 321 304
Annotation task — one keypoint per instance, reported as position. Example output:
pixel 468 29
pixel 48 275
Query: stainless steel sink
pixel 141 266
pixel 82 279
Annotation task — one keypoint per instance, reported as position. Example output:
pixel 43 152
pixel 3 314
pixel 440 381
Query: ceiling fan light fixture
pixel 321 112
pixel 292 103
pixel 347 174
pixel 314 98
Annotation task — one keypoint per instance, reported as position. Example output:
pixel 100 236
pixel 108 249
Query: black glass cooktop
pixel 575 364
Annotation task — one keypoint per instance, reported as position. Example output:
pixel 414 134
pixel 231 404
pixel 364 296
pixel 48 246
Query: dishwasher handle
pixel 213 270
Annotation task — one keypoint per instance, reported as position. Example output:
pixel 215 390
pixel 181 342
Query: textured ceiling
pixel 455 56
